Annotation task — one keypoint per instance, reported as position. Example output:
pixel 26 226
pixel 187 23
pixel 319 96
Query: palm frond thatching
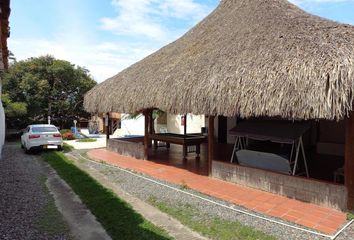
pixel 247 58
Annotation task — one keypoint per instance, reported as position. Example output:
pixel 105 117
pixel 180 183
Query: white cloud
pixel 133 19
pixel 299 2
pixel 183 9
pixel 142 23
pixel 147 17
pixel 103 60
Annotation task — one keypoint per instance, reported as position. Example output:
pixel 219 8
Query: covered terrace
pixel 249 59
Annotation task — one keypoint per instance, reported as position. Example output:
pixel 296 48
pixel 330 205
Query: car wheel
pixel 27 151
pixel 60 148
pixel 22 146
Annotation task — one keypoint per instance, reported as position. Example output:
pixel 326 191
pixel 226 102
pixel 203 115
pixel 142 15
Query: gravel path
pixel 27 209
pixel 147 190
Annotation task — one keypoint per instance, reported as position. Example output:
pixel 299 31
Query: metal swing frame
pixel 296 146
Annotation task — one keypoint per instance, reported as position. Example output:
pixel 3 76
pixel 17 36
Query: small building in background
pixel 97 123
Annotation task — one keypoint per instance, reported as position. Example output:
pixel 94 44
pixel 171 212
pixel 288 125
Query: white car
pixel 41 136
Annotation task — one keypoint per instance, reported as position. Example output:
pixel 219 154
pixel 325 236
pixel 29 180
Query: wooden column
pixel 151 125
pixel 185 124
pixel 107 125
pixel 210 143
pixel 146 135
pixel 151 121
pixel 349 160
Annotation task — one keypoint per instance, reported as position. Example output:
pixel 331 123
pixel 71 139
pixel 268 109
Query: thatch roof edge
pixel 277 61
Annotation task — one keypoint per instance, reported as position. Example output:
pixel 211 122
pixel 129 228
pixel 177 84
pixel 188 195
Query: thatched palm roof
pixel 247 58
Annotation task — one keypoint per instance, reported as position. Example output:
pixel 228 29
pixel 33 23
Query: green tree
pixel 12 57
pixel 14 110
pixel 45 86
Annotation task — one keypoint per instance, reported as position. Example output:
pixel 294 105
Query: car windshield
pixel 44 129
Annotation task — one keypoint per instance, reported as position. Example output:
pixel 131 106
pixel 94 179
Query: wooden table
pixel 180 139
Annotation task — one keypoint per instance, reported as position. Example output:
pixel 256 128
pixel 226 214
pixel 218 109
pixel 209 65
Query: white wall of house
pixel 136 126
pixel 130 126
pixel 160 128
pixel 231 123
pixel 194 123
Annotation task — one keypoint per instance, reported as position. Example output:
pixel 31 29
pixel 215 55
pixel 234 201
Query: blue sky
pixel 106 36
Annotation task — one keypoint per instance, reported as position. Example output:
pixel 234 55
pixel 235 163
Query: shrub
pixel 68 136
pixel 62 131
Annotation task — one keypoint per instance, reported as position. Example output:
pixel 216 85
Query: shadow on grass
pixel 67 148
pixel 115 215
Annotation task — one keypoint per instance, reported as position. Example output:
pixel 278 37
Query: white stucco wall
pixel 194 123
pixel 136 126
pixel 130 126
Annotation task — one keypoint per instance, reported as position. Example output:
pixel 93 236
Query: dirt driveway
pixel 27 209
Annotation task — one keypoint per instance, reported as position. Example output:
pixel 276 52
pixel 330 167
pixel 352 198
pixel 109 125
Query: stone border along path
pixel 145 189
pixel 173 227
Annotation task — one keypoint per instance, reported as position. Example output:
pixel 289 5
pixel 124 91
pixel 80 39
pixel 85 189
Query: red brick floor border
pixel 325 220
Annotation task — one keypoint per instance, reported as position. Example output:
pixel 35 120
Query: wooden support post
pixel 107 126
pixel 151 125
pixel 146 135
pixel 210 143
pixel 185 124
pixel 349 160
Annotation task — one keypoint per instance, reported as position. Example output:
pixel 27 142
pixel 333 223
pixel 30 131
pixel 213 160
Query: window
pixel 44 129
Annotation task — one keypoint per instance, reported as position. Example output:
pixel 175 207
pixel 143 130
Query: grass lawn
pixel 210 226
pixel 67 148
pixel 350 216
pixel 115 215
pixel 87 140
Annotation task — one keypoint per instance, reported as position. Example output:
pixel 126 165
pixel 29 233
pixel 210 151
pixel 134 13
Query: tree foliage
pixel 156 113
pixel 40 87
pixel 13 109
